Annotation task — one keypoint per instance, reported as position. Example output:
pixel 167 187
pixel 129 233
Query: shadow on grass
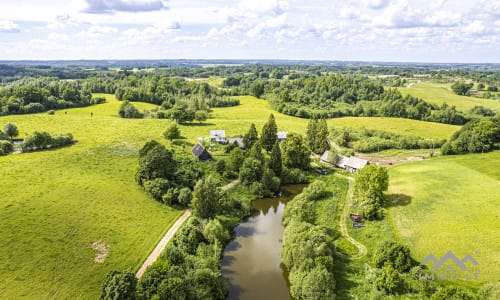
pixel 398 200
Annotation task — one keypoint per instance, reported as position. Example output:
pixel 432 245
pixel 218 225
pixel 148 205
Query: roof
pixel 218 133
pixel 200 152
pixel 342 161
pixel 238 140
pixel 282 135
pixel 328 157
pixel 356 163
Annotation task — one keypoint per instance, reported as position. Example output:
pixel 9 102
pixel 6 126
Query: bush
pixel 293 176
pixel 6 147
pixel 393 254
pixel 119 285
pixel 97 100
pixel 157 187
pixel 316 190
pixel 51 112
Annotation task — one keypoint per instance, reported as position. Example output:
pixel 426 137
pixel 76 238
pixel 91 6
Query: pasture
pixel 56 203
pixel 437 93
pixel 450 203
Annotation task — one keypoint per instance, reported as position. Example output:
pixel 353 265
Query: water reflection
pixel 252 263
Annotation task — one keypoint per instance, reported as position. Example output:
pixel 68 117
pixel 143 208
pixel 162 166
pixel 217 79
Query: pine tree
pixel 256 152
pixel 321 141
pixel 250 137
pixel 275 162
pixel 269 134
pixel 311 133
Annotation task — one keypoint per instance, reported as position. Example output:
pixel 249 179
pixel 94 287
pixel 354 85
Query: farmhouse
pixel 350 164
pixel 201 153
pixel 282 135
pixel 218 136
pixel 238 140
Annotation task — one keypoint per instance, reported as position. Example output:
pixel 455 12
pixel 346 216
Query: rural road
pixel 170 234
pixel 343 225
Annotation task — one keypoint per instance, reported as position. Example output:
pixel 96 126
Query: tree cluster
pixel 479 135
pixel 308 249
pixel 40 140
pixel 371 140
pixel 166 177
pixel 317 136
pixel 370 184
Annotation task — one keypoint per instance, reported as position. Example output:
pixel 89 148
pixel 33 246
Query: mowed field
pixel 440 93
pixel 55 204
pixel 450 203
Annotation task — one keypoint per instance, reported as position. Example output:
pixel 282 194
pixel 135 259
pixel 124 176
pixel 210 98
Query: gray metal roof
pixel 218 133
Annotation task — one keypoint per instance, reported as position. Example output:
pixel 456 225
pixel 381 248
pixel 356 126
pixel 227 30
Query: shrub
pixel 394 254
pixel 316 190
pixel 157 187
pixel 6 147
pixel 293 176
pixel 51 112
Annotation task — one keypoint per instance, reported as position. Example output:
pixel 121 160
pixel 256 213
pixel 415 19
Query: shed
pixel 218 136
pixel 238 140
pixel 329 158
pixel 201 153
pixel 355 163
pixel 282 135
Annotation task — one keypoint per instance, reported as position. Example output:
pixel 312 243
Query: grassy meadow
pixel 56 203
pixel 450 203
pixel 438 93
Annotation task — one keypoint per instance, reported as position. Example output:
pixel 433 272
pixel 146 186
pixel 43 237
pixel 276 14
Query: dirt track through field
pixel 170 234
pixel 343 225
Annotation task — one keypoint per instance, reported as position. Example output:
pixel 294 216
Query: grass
pixel 56 203
pixel 438 93
pixel 450 203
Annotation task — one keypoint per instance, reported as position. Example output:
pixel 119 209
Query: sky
pixel 361 30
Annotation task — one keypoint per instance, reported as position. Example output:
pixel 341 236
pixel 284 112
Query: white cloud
pixel 7 26
pixel 109 6
pixel 376 4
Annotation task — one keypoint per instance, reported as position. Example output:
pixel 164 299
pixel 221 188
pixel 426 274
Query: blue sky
pixel 368 30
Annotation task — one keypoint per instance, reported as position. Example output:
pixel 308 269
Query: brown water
pixel 252 262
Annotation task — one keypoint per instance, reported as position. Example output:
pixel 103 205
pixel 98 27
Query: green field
pixel 439 93
pixel 56 203
pixel 450 203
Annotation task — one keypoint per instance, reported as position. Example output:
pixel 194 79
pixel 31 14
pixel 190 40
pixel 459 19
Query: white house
pixel 218 136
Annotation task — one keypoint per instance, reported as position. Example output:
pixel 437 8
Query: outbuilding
pixel 201 153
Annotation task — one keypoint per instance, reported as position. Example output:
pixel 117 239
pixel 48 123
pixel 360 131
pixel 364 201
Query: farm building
pixel 218 136
pixel 201 153
pixel 238 140
pixel 350 164
pixel 282 135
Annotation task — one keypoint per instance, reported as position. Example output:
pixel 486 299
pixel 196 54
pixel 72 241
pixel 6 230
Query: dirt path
pixel 170 234
pixel 343 225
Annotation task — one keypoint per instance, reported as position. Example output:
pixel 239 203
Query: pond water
pixel 252 263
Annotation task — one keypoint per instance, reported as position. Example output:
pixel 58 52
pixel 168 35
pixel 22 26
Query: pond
pixel 252 263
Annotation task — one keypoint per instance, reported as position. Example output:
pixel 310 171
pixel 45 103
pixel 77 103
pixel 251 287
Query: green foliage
pixel 172 132
pixel 275 162
pixel 293 176
pixel 200 116
pixel 174 288
pixel 250 137
pixel 157 187
pixel 206 195
pixel 317 283
pixel 256 152
pixel 6 147
pixel 128 110
pixel 214 232
pixel 388 280
pixel 461 88
pixel 317 136
pixel 235 161
pixel 370 184
pixel 316 190
pixel 270 183
pixel 220 166
pixel 295 152
pixel 453 293
pixel 181 113
pixel 269 133
pixel 250 171
pixel 119 285
pixel 10 130
pixel 158 162
pixel 300 209
pixel 480 135
pixel 43 140
pixel 394 254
